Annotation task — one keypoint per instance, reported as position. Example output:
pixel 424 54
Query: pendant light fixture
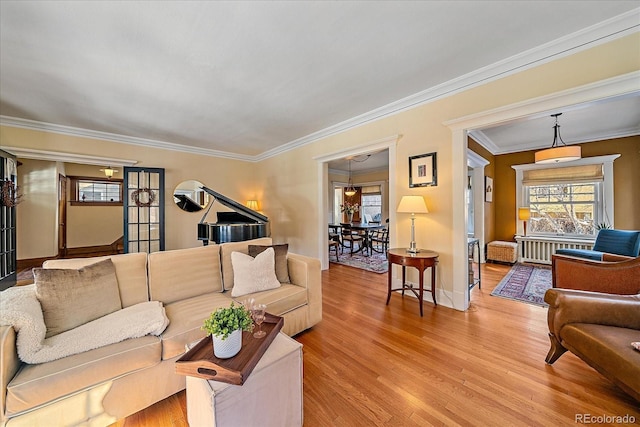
pixel 350 190
pixel 558 153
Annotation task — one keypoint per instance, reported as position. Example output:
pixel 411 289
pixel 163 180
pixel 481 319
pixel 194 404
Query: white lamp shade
pixel 412 204
pixel 252 204
pixel 565 153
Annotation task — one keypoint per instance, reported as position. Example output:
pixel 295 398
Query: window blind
pixel 371 189
pixel 569 174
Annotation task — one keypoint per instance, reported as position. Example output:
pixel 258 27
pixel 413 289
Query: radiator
pixel 540 249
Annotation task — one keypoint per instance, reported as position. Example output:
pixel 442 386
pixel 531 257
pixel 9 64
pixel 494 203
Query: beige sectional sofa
pixel 101 386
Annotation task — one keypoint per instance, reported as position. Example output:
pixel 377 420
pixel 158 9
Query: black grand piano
pixel 241 224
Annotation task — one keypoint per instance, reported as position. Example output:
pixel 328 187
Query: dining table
pixel 361 226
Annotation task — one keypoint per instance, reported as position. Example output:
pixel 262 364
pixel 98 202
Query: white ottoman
pixel 271 396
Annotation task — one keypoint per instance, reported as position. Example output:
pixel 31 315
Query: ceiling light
pixel 558 153
pixel 108 171
pixel 350 190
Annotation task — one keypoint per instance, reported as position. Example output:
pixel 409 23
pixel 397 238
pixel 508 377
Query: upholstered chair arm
pixel 9 365
pixel 621 277
pixel 306 272
pixel 570 306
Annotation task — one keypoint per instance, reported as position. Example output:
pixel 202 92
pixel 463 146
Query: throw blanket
pixel 20 308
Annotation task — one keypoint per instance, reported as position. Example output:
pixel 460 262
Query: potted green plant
pixel 225 325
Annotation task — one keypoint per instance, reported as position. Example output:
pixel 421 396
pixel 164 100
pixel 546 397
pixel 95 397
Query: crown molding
pixel 123 139
pixel 58 156
pixel 625 84
pixel 603 32
pixel 476 160
pixel 482 139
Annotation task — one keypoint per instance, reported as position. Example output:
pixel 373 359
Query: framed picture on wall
pixel 488 189
pixel 423 170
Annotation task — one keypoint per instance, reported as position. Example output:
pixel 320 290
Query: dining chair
pixel 350 236
pixel 379 240
pixel 334 245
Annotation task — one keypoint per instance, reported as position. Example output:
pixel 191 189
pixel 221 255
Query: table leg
pixel 404 280
pixel 433 283
pixel 389 274
pixel 421 290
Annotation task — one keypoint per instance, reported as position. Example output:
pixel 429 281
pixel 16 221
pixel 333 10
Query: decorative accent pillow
pixel 282 270
pixel 253 274
pixel 70 298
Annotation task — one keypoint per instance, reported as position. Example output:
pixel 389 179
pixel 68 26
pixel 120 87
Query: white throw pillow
pixel 253 274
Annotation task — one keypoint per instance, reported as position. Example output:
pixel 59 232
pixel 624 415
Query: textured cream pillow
pixel 253 274
pixel 282 270
pixel 70 298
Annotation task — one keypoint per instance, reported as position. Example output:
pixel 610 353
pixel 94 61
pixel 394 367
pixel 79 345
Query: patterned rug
pixel 526 283
pixel 376 262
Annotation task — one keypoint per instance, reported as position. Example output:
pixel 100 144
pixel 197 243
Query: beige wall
pixel 37 225
pixel 626 176
pixel 92 225
pixel 291 179
pixel 233 178
pixel 288 185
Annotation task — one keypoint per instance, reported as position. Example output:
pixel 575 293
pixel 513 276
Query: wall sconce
pixel 252 204
pixel 523 215
pixel 412 205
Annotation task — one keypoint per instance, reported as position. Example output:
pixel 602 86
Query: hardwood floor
pixel 371 364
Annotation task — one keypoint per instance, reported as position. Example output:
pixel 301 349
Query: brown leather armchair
pixel 599 329
pixel 615 275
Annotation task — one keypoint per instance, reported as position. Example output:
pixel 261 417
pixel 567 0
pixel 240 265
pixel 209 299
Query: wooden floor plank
pixel 368 363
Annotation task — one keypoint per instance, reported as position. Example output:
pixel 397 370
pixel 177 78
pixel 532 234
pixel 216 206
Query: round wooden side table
pixel 421 261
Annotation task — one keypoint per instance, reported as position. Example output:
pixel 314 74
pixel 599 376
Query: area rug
pixel 526 283
pixel 376 263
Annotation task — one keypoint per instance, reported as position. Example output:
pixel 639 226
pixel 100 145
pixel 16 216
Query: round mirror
pixel 190 197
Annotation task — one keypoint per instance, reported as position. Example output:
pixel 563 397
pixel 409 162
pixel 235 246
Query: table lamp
pixel 524 214
pixel 252 204
pixel 412 205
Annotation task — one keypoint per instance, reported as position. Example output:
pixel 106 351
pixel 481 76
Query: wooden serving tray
pixel 200 361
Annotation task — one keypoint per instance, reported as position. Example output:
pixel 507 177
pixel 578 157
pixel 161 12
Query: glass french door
pixel 143 209
pixel 8 200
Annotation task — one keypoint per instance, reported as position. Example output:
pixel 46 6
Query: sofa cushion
pixel 252 275
pixel 608 349
pixel 282 270
pixel 131 271
pixel 70 298
pixel 184 273
pixel 282 300
pixel 35 385
pixel 187 317
pixel 581 253
pixel 225 257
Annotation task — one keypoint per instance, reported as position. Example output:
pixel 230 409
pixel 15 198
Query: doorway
pixel 326 194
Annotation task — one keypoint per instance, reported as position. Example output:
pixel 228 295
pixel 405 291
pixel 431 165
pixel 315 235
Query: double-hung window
pixel 570 201
pixel 372 203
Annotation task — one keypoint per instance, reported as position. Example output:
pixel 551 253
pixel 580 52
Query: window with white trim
pixel 372 203
pixel 570 201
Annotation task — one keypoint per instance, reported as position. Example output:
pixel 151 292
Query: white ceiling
pixel 251 78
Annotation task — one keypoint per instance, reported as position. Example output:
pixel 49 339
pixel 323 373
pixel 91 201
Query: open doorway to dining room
pixel 373 177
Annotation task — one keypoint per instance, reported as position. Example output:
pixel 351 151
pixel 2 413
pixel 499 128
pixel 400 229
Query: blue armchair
pixel 618 242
